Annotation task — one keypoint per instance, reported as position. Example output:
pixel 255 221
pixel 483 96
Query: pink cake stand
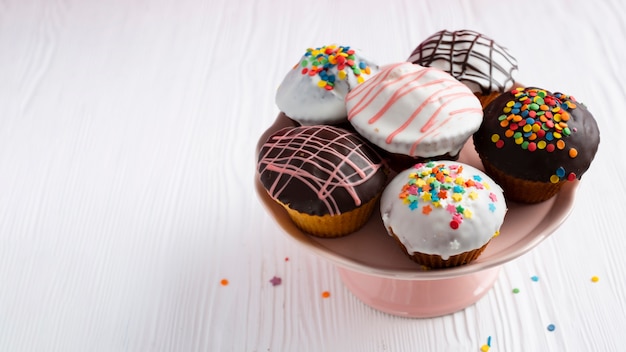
pixel 373 267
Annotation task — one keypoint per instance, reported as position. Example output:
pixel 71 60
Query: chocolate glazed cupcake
pixel 532 141
pixel 327 178
pixel 476 60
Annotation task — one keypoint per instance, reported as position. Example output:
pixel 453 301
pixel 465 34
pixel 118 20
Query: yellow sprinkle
pixel 506 110
pixel 473 195
pixel 497 233
pixel 321 84
pixel 541 144
pixel 519 140
pixel 536 127
pixel 360 79
pixel 527 128
pixel 557 117
pixel 595 279
pixel 484 348
pixel 510 104
pixel 495 137
pixel 467 214
pixel 457 197
pixel 342 74
pixel 557 135
pixel 554 179
pixel 487 186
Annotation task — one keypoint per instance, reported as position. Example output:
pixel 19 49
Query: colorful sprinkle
pixel 516 290
pixel 440 186
pixel 487 346
pixel 286 259
pixel 224 282
pixel 551 327
pixel 534 278
pixel 324 61
pixel 595 279
pixel 275 281
pixel 537 121
pixel 325 294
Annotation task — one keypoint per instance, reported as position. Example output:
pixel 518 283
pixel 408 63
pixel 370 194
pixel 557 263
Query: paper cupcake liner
pixel 523 191
pixel 435 261
pixel 333 225
pixel 486 99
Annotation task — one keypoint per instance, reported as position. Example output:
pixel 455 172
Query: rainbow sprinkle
pixel 440 186
pixel 321 62
pixel 536 120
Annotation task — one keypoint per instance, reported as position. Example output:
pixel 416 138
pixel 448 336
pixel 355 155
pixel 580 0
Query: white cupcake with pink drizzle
pixel 415 113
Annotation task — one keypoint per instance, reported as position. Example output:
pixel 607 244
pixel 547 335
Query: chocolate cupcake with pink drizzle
pixel 414 113
pixel 327 178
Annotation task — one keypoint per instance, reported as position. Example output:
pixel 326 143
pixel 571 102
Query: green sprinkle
pixel 533 106
pixel 516 290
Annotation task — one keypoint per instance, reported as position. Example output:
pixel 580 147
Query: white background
pixel 127 134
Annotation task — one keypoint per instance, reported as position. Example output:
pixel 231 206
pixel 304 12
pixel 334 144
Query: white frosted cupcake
pixel 443 213
pixel 314 91
pixel 415 113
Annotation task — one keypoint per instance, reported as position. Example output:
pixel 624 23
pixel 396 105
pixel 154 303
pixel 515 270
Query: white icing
pixel 414 110
pixel 300 97
pixel 432 233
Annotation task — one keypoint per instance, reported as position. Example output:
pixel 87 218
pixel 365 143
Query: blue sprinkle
pixel 514 111
pixel 560 172
pixel 524 113
pixel 489 341
pixel 535 278
pixel 530 121
pixel 331 78
pixel 551 327
pixel 492 207
pixel 362 65
pixel 477 178
pixel 549 136
pixel 517 105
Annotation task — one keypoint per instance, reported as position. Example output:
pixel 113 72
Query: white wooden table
pixel 127 134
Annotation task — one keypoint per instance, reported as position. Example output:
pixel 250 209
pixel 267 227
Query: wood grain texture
pixel 127 135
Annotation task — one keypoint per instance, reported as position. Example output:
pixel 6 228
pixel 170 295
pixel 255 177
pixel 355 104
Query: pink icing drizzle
pixel 366 94
pixel 292 153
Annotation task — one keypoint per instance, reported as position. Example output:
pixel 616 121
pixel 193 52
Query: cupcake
pixel 532 141
pixel 476 60
pixel 328 179
pixel 414 113
pixel 313 92
pixel 442 213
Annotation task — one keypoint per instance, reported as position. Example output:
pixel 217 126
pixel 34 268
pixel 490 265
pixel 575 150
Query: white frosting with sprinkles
pixel 443 208
pixel 314 91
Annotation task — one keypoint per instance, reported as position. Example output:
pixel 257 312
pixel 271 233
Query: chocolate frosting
pixel 562 145
pixel 320 170
pixel 472 58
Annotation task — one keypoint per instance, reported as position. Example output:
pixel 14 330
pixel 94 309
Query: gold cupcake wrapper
pixel 332 225
pixel 523 191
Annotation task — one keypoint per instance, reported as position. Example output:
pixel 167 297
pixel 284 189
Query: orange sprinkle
pixel 573 153
pixel 325 294
pixel 224 282
pixel 560 144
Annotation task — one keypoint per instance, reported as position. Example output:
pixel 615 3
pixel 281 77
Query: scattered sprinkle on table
pixel 534 278
pixel 551 327
pixel 487 346
pixel 325 294
pixel 286 259
pixel 224 282
pixel 595 279
pixel 275 281
pixel 516 290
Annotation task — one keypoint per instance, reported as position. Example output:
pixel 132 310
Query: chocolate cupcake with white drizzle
pixel 476 60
